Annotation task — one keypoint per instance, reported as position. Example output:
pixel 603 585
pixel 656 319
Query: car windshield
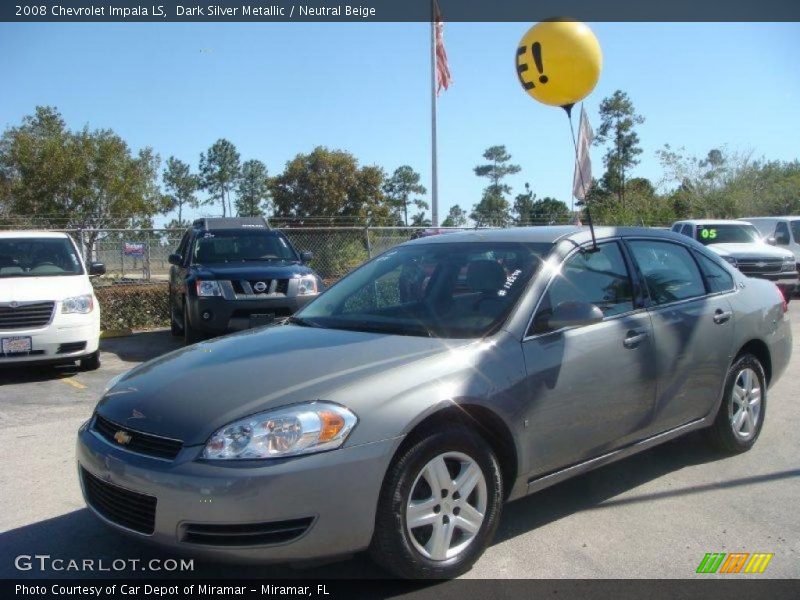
pixel 38 257
pixel 458 290
pixel 727 233
pixel 242 245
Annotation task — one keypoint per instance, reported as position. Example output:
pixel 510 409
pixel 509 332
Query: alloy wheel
pixel 745 406
pixel 447 505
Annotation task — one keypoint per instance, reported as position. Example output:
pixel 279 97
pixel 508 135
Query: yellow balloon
pixel 559 62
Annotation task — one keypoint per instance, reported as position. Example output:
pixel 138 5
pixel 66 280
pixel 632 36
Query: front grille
pixel 121 506
pixel 143 443
pixel 759 266
pixel 26 316
pixel 247 287
pixel 71 347
pixel 245 534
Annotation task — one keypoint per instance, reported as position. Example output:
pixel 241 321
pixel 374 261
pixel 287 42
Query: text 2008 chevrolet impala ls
pixel 399 410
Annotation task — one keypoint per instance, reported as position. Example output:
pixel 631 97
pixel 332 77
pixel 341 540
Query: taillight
pixel 784 299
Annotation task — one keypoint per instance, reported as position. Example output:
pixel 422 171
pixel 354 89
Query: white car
pixel 741 244
pixel 48 310
pixel 782 231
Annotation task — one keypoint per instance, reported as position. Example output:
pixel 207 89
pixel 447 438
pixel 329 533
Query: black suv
pixel 236 273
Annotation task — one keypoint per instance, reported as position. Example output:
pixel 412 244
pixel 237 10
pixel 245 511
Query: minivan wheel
pixel 439 506
pixel 190 334
pixel 91 362
pixel 744 404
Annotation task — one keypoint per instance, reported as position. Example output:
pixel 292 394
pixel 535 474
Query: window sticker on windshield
pixel 708 234
pixel 509 282
pixel 208 234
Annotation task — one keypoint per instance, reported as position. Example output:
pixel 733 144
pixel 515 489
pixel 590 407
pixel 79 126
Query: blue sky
pixel 278 89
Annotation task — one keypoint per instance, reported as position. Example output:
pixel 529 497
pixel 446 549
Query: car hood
pixel 190 393
pixel 756 250
pixel 251 270
pixel 32 289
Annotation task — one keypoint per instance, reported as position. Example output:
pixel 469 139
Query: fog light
pixel 206 315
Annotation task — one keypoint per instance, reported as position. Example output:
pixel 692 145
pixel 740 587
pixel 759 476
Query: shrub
pixel 134 306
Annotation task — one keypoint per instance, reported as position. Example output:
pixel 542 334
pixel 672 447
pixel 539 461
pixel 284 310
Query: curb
pixel 115 333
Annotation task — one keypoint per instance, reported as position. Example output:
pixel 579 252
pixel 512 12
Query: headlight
pixel 208 288
pixel 789 263
pixel 729 259
pixel 307 285
pixel 299 429
pixel 78 304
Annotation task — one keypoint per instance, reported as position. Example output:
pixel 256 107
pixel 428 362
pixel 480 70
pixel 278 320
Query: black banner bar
pixel 486 589
pixel 396 10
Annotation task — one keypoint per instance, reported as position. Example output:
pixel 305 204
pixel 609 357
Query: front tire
pixel 190 334
pixel 174 327
pixel 91 362
pixel 439 506
pixel 744 405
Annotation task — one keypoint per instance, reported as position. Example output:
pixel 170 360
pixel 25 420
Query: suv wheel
pixel 439 506
pixel 174 327
pixel 91 362
pixel 744 405
pixel 190 334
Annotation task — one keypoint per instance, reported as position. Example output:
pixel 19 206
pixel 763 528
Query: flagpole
pixel 434 174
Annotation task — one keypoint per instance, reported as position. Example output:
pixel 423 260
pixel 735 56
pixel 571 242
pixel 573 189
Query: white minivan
pixel 781 231
pixel 48 310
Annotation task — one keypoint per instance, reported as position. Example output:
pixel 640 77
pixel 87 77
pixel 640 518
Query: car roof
pixel 712 221
pixel 32 234
pixel 545 234
pixel 220 223
pixel 781 218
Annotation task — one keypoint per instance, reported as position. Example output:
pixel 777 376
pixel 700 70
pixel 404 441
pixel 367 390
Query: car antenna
pixel 568 109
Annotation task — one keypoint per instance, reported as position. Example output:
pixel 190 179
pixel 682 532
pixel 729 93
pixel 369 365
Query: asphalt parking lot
pixel 653 515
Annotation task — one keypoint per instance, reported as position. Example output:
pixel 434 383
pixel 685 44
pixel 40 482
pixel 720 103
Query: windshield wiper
pixel 303 322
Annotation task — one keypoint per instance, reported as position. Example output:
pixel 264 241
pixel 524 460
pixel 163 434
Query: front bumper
pixel 46 342
pixel 218 315
pixel 337 489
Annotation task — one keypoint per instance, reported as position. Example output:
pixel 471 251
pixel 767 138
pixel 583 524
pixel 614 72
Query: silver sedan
pixel 400 410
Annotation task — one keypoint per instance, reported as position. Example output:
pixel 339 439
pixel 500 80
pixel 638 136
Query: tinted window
pixel 600 278
pixel 242 246
pixel 782 234
pixel 669 270
pixel 687 230
pixel 38 257
pixel 460 290
pixel 719 280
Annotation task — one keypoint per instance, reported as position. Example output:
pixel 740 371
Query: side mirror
pixel 175 259
pixel 97 268
pixel 306 256
pixel 771 241
pixel 574 314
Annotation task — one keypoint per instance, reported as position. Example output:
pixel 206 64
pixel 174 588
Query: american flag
pixel 582 178
pixel 443 78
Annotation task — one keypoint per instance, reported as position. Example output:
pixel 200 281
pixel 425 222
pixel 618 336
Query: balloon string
pixel 580 174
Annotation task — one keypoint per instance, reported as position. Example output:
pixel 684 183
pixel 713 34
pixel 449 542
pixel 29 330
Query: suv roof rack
pixel 207 223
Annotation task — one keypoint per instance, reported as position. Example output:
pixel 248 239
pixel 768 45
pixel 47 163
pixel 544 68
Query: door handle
pixel 722 316
pixel 634 339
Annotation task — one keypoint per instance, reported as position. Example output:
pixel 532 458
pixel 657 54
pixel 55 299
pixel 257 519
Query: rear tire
pixel 91 362
pixel 454 523
pixel 743 407
pixel 190 334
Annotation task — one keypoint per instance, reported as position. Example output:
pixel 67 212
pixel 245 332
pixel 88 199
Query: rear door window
pixel 718 279
pixel 670 272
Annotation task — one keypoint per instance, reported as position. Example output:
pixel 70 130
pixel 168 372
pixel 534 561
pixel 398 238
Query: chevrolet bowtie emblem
pixel 122 437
